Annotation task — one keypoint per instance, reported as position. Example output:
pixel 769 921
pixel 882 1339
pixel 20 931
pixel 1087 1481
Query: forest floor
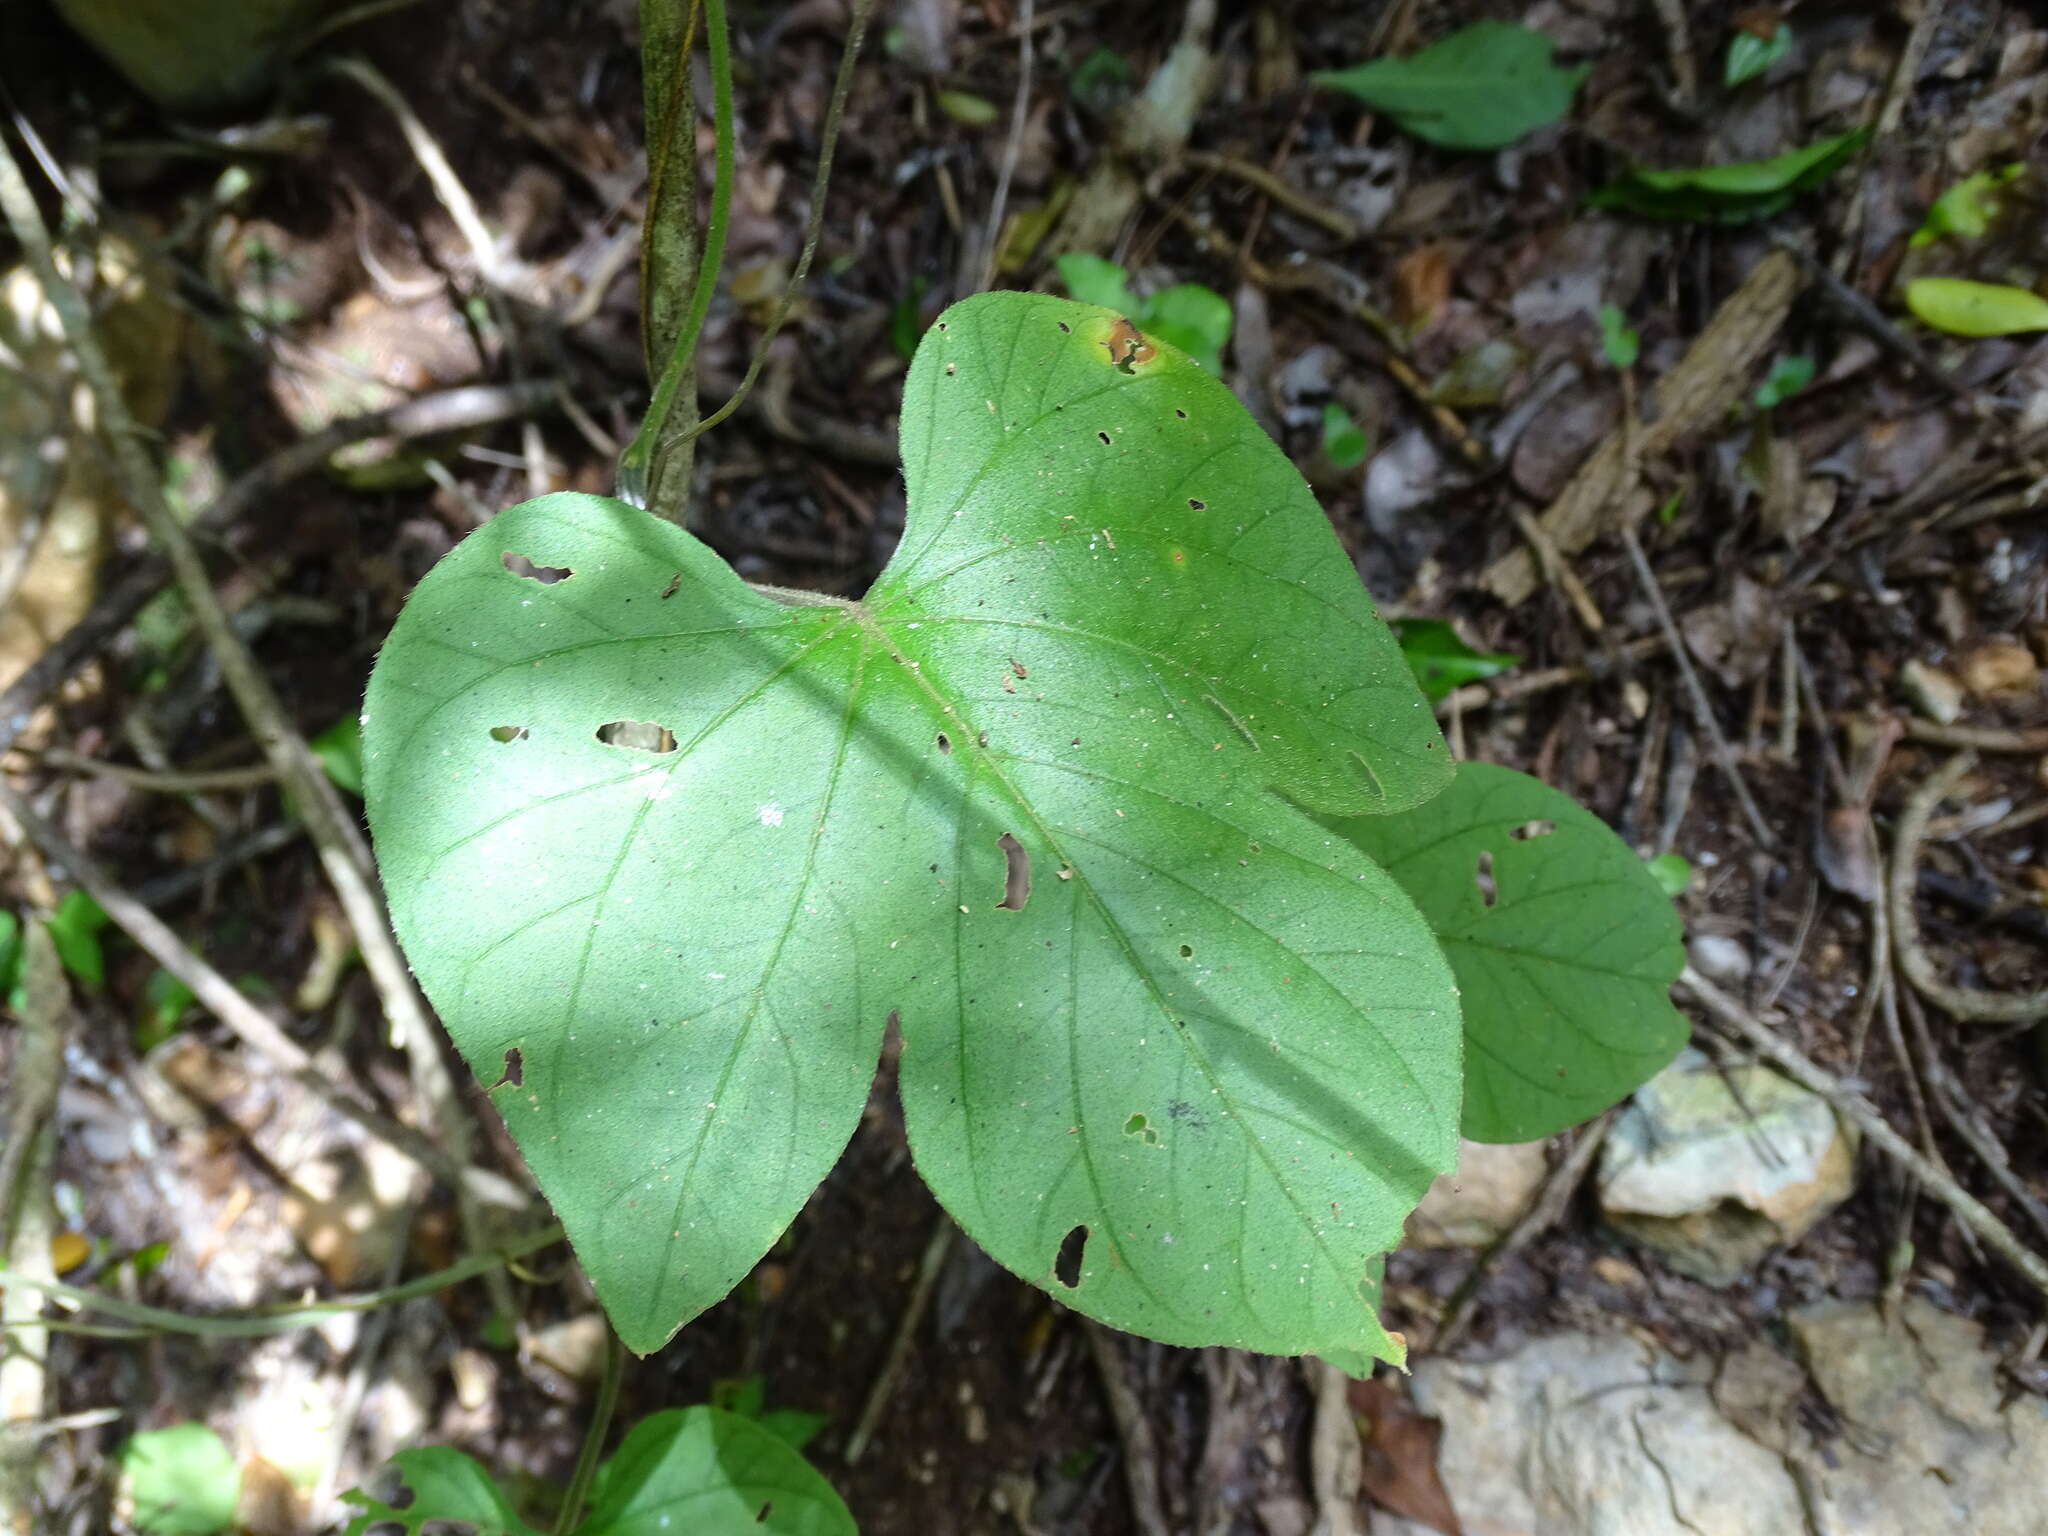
pixel 1839 512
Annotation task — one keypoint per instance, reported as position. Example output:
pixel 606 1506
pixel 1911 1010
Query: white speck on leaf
pixel 770 814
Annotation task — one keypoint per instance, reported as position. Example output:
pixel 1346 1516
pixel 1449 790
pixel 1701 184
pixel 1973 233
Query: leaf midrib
pixel 928 687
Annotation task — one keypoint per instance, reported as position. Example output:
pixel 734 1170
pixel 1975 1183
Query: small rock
pixel 1583 1436
pixel 1718 957
pixel 349 1211
pixel 1712 1171
pixel 1938 1444
pixel 1492 1190
pixel 1617 1272
pixel 1999 666
pixel 575 1347
pixel 1931 691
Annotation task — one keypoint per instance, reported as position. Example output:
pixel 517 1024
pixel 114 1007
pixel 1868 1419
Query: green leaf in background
pixel 1672 872
pixel 339 750
pixel 966 108
pixel 1189 316
pixel 1101 82
pixel 1963 308
pixel 180 1481
pixel 1483 87
pixel 794 1427
pixel 1621 344
pixel 1564 948
pixel 1041 794
pixel 10 955
pixel 445 1486
pixel 1751 53
pixel 75 929
pixel 1967 210
pixel 744 1396
pixel 1730 194
pixel 1344 441
pixel 708 1473
pixel 165 1002
pixel 906 319
pixel 1789 375
pixel 1093 280
pixel 1441 661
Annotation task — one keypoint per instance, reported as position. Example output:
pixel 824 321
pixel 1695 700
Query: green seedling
pixel 1113 791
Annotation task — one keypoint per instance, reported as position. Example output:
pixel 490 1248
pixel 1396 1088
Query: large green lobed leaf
pixel 1172 1048
pixel 1564 946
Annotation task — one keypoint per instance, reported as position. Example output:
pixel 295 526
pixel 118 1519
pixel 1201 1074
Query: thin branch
pixel 1696 693
pixel 1013 147
pixel 835 113
pixel 1847 1102
pixel 248 1023
pixel 936 1248
pixel 571 1514
pixel 267 1321
pixel 451 410
pixel 1969 1003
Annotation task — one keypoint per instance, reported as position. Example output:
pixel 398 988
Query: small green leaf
pixel 1564 947
pixel 742 1395
pixel 1344 441
pixel 1672 872
pixel 968 108
pixel 1963 308
pixel 10 953
pixel 166 1000
pixel 794 1427
pixel 1483 87
pixel 1117 651
pixel 1667 513
pixel 75 930
pixel 1093 280
pixel 339 750
pixel 906 318
pixel 1789 375
pixel 1621 344
pixel 1967 210
pixel 181 1481
pixel 1101 82
pixel 1749 55
pixel 1189 316
pixel 445 1486
pixel 707 1473
pixel 1729 194
pixel 1441 661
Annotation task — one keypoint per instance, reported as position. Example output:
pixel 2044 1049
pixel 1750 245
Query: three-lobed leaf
pixel 1564 947
pixel 1172 1048
pixel 1481 88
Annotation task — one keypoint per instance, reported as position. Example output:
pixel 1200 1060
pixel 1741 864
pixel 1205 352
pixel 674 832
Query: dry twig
pixel 1703 709
pixel 936 1248
pixel 1969 1003
pixel 1133 1429
pixel 1850 1104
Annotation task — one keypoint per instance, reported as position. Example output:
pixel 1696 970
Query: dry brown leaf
pixel 1400 1472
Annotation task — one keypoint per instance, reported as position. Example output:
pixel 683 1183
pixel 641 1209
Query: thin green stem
pixel 638 469
pixel 828 141
pixel 260 1324
pixel 593 1438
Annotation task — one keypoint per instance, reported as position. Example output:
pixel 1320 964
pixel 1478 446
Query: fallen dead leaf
pixel 1999 666
pixel 1400 1469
